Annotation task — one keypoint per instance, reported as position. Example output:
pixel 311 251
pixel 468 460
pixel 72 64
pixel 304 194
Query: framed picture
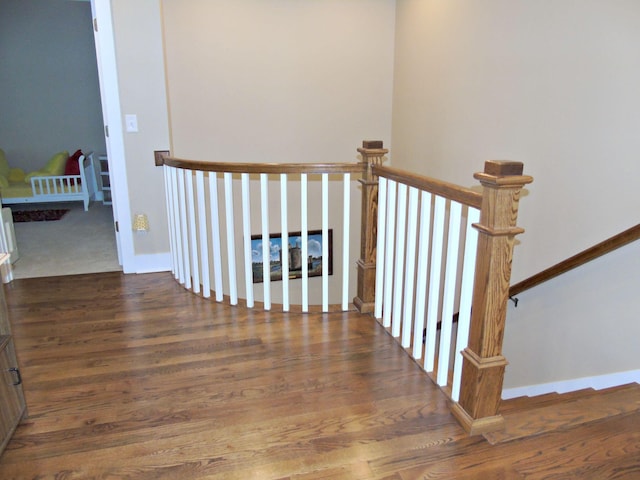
pixel 294 252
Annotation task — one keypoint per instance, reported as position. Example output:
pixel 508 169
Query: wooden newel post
pixel 372 153
pixel 484 365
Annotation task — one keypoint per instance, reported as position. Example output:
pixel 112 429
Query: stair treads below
pixel 566 412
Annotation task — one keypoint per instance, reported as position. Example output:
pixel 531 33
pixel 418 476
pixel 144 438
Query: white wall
pixel 555 85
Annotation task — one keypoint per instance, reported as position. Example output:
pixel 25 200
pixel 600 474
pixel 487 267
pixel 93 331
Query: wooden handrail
pixel 602 248
pixel 272 168
pixel 460 194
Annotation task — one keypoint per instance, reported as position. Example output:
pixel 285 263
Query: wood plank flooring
pixel 132 377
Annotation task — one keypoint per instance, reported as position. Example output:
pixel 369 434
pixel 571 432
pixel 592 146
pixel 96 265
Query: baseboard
pixel 597 383
pixel 159 262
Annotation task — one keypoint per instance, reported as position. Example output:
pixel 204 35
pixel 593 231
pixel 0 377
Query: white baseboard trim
pixel 597 383
pixel 159 262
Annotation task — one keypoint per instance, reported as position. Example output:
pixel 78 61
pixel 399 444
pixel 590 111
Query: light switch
pixel 131 122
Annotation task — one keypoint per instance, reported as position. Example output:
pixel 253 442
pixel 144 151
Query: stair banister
pixel 372 153
pixel 609 245
pixel 484 364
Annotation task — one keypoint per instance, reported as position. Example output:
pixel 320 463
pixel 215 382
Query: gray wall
pixel 49 81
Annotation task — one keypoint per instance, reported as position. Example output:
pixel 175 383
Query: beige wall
pixel 278 80
pixel 138 39
pixel 248 81
pixel 281 81
pixel 550 84
pixel 555 85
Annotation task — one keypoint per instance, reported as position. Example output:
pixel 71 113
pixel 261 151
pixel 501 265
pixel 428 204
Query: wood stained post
pixel 484 364
pixel 372 152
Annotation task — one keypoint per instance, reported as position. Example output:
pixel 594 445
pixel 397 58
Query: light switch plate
pixel 131 123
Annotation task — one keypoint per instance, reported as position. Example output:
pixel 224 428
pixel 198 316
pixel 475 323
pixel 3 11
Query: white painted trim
pixel 108 76
pixel 152 263
pixel 597 383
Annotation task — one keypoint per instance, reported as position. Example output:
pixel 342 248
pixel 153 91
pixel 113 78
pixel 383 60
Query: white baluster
pixel 231 240
pixel 186 259
pixel 284 242
pixel 193 235
pixel 171 201
pixel 202 230
pixel 466 294
pixel 346 202
pixel 177 226
pixel 266 244
pixel 410 266
pixel 246 230
pixel 423 263
pixel 388 268
pixel 380 245
pixel 305 252
pixel 401 231
pixel 325 242
pixel 434 283
pixel 448 297
pixel 215 237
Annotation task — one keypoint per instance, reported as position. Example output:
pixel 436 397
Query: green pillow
pixel 4 183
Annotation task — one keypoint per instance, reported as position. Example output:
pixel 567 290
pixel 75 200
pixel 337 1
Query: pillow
pixel 37 173
pixel 16 175
pixel 4 183
pixel 4 165
pixel 72 166
pixel 55 165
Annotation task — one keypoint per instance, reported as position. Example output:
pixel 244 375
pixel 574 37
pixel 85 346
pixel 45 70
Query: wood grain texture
pixel 609 245
pixel 560 412
pixel 270 168
pixel 460 194
pixel 12 402
pixel 483 364
pixel 372 154
pixel 133 377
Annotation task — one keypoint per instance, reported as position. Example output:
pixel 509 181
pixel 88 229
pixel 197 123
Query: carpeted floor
pixel 80 242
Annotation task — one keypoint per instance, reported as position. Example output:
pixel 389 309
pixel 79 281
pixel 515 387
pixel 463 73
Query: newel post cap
pixel 503 172
pixel 373 148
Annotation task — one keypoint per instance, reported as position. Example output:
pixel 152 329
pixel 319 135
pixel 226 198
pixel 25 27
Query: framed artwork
pixel 294 252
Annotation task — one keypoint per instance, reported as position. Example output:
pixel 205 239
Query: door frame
pixel 114 138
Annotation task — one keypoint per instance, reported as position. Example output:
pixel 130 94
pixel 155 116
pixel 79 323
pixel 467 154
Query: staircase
pixel 532 416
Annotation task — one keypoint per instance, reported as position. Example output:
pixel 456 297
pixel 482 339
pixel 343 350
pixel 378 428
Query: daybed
pixel 63 179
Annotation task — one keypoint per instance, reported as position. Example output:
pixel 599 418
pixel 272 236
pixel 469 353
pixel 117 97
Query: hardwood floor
pixel 132 377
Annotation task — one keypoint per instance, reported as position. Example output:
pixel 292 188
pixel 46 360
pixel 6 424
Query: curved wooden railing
pixel 412 273
pixel 203 224
pixel 266 168
pixel 607 246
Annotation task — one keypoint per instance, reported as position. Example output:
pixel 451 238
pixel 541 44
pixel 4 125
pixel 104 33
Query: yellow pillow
pixel 4 165
pixel 16 175
pixel 37 173
pixel 4 183
pixel 55 165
